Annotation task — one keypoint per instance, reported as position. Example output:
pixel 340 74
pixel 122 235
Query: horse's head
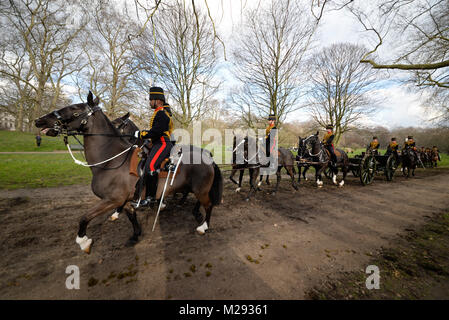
pixel 123 124
pixel 70 118
pixel 302 147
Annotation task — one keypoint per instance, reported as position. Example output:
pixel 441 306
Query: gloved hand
pixel 137 134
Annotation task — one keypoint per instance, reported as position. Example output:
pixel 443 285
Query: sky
pixel 402 106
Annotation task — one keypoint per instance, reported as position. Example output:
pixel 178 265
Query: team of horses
pixel 109 147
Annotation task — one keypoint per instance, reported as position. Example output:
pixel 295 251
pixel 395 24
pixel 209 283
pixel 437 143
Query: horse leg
pixel 260 180
pixel 131 213
pixel 318 179
pixel 278 179
pixel 116 214
pixel 292 175
pixel 241 173
pixel 231 177
pixel 196 212
pixel 268 180
pixel 345 170
pixel 204 200
pixel 102 207
pixel 304 173
pixel 252 177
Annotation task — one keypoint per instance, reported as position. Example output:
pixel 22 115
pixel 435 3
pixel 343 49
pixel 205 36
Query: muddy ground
pixel 273 247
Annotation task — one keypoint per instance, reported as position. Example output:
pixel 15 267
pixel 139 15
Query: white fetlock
pixel 342 183
pixel 114 216
pixel 306 179
pixel 84 243
pixel 334 179
pixel 237 190
pixel 202 228
pixel 259 184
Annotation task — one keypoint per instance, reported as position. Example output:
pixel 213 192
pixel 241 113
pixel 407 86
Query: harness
pixel 60 126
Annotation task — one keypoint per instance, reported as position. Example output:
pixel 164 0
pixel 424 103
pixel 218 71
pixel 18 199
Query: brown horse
pixel 285 160
pixel 106 154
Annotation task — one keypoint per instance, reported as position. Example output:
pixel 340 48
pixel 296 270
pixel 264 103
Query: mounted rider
pixel 374 146
pixel 327 142
pixel 393 149
pixel 161 128
pixel 436 151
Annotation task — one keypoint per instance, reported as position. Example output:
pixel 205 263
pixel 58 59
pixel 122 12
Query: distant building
pixel 7 122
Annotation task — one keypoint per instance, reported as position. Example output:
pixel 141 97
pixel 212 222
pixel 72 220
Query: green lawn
pixel 40 170
pixel 11 141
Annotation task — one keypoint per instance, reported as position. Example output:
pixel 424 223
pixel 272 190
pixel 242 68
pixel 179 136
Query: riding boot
pixel 151 188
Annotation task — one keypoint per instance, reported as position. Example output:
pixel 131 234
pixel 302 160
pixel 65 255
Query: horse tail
pixel 216 191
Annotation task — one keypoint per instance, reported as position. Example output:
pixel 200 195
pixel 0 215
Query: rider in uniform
pixel 161 126
pixel 393 149
pixel 327 142
pixel 269 131
pixel 374 146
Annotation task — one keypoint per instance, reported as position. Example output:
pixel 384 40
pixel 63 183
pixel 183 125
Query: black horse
pixel 111 180
pixel 409 160
pixel 245 156
pixel 312 152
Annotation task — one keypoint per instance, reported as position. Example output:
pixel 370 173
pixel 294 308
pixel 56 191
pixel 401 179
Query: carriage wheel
pixel 367 170
pixel 390 167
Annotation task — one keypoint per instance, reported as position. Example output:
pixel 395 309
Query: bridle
pixel 61 124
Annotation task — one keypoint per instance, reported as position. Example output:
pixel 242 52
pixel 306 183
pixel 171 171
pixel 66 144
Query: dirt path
pixel 273 247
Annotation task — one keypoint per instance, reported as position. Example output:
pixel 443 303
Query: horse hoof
pixel 85 243
pixel 202 228
pixel 247 199
pixel 114 216
pixel 237 190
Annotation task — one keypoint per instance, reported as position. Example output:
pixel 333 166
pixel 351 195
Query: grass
pixel 40 171
pixel 11 141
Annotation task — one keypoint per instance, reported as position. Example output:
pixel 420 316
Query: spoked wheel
pixel 367 170
pixel 390 168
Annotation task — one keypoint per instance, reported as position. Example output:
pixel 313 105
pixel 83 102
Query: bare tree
pixel 268 57
pixel 340 87
pixel 40 54
pixel 418 30
pixel 180 54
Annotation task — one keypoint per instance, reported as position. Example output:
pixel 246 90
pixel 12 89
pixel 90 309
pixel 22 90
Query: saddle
pixel 137 165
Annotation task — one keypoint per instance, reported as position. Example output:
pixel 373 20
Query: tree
pixel 179 54
pixel 36 52
pixel 40 50
pixel 340 87
pixel 418 30
pixel 268 58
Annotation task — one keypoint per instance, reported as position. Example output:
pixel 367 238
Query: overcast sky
pixel 402 107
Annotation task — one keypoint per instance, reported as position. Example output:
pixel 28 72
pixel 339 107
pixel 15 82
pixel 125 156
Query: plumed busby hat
pixel 271 117
pixel 157 93
pixel 393 139
pixel 374 137
pixel 329 126
pixel 410 137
